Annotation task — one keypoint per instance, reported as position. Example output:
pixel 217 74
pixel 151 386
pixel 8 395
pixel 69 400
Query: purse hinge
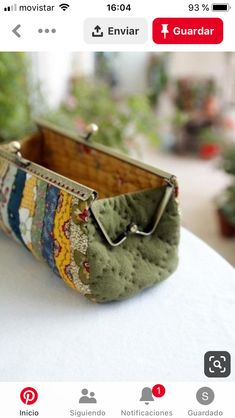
pixel 134 229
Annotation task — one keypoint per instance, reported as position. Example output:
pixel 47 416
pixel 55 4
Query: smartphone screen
pixel 117 208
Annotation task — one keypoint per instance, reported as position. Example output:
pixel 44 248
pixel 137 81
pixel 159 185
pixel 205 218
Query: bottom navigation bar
pixel 117 399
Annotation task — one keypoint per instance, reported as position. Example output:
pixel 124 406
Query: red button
pixel 171 30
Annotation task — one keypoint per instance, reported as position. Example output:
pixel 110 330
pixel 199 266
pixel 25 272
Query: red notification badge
pixel 158 391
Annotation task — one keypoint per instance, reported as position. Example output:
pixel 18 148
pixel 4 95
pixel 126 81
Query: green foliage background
pixel 92 101
pixel 227 204
pixel 15 112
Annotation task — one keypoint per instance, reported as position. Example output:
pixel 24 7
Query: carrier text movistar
pixel 35 8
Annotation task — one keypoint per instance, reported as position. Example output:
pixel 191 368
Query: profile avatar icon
pixel 86 398
pixel 146 396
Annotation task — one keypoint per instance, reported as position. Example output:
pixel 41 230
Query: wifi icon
pixel 64 6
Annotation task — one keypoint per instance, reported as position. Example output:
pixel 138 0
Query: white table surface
pixel 50 333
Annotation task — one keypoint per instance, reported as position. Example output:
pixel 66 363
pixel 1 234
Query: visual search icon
pixel 29 396
pixel 217 364
pixel 86 397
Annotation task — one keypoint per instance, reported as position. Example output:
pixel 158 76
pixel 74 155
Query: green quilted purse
pixel 106 224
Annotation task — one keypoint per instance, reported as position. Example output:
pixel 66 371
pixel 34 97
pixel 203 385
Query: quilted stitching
pixel 140 262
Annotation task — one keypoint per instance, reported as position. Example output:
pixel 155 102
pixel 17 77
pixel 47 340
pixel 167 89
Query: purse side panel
pixel 48 221
pixel 140 262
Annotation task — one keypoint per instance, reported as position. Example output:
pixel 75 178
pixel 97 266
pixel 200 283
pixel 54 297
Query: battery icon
pixel 221 7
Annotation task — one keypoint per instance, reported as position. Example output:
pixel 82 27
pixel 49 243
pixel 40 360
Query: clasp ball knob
pixel 15 146
pixel 92 129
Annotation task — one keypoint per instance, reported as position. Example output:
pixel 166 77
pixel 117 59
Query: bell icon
pixel 147 396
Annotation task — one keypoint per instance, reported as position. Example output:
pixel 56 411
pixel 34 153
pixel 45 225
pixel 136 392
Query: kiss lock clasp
pixel 15 148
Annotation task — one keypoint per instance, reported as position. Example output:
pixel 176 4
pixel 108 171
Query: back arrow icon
pixel 15 31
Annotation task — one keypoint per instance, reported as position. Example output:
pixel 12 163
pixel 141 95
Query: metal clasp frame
pixel 134 229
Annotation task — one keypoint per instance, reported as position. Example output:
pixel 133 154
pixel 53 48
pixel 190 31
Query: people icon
pixel 92 397
pixel 85 398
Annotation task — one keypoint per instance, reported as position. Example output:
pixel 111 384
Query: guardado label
pixel 207 413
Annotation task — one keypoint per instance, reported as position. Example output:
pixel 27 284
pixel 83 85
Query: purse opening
pixel 108 174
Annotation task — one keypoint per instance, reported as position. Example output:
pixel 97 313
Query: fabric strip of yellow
pixel 61 235
pixel 28 199
pixel 78 241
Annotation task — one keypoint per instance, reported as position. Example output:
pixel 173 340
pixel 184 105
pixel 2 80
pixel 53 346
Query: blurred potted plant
pixel 226 203
pixel 179 121
pixel 15 112
pixel 157 76
pixel 119 121
pixel 211 141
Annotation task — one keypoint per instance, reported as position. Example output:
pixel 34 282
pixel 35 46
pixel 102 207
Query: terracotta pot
pixel 227 230
pixel 211 107
pixel 208 151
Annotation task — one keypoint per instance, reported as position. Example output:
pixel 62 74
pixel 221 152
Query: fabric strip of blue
pixel 14 204
pixel 48 226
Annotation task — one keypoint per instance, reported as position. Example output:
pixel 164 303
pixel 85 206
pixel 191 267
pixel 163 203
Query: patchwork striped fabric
pixel 14 204
pixel 62 251
pixel 6 189
pixel 27 210
pixel 37 223
pixel 4 166
pixel 49 222
pixel 79 265
pixel 51 204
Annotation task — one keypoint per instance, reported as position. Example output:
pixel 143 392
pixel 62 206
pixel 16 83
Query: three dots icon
pixel 46 30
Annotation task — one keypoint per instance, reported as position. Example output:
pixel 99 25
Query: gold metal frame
pixel 11 153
